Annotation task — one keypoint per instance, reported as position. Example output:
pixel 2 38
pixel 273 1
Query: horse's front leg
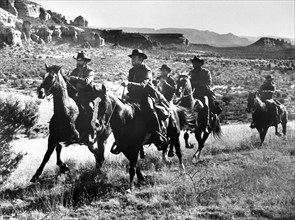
pixel 201 141
pixel 165 155
pixel 187 144
pixel 63 167
pixel 50 149
pixel 178 152
pixel 276 131
pixel 262 134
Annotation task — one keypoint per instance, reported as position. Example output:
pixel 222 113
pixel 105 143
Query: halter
pixel 109 119
pixel 52 84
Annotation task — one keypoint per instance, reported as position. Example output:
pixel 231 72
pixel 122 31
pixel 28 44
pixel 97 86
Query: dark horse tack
pixel 65 126
pixel 129 126
pixel 262 118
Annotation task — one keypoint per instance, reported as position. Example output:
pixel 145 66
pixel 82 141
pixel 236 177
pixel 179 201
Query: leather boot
pixel 159 138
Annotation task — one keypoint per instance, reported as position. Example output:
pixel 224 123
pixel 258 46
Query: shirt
pixel 82 78
pixel 139 76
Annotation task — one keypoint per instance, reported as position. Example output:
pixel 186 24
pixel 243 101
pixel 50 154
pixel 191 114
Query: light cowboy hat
pixel 138 52
pixel 82 56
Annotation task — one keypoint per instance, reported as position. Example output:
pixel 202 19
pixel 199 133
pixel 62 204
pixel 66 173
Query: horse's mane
pixel 54 68
pixel 129 109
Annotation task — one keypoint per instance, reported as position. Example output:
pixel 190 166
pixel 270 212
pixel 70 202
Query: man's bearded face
pixel 80 64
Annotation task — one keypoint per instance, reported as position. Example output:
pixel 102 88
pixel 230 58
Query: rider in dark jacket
pixel 201 83
pixel 82 79
pixel 140 90
pixel 266 92
pixel 165 83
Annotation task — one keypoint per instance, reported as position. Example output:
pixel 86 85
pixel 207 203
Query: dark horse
pixel 66 125
pixel 129 126
pixel 201 129
pixel 264 118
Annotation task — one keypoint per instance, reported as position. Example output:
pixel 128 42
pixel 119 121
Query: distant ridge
pixel 198 37
pixel 267 42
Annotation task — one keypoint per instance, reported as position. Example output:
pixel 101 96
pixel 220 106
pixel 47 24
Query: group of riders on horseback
pixel 142 89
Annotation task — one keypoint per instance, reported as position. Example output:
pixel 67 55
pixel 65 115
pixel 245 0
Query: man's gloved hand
pixel 125 83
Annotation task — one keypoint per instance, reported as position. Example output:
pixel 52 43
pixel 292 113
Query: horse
pixel 264 118
pixel 202 129
pixel 66 125
pixel 130 130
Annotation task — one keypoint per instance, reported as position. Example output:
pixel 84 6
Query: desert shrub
pixel 16 83
pixel 15 116
pixel 24 84
pixel 227 99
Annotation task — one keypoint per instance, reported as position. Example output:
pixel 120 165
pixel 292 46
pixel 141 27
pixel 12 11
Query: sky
pixel 240 17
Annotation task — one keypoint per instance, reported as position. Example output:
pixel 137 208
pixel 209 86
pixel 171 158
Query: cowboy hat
pixel 165 67
pixel 82 56
pixel 197 60
pixel 269 77
pixel 138 52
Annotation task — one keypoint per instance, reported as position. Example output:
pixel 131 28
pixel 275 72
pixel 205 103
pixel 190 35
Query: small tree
pixel 15 116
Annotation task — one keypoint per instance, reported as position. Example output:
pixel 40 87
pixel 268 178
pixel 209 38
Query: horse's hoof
pixel 170 154
pixel 278 134
pixel 190 146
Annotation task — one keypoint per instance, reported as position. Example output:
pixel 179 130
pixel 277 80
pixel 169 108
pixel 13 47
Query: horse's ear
pixel 46 67
pixel 59 68
pixel 104 89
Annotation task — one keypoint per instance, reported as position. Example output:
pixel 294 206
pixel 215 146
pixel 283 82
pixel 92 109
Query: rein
pixel 182 92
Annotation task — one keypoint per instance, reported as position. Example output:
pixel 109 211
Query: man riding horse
pixel 82 79
pixel 201 80
pixel 140 90
pixel 266 92
pixel 165 83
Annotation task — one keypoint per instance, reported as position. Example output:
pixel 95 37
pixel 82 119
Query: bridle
pixel 105 125
pixel 183 90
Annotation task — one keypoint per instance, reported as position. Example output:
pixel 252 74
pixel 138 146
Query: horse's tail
pixel 186 117
pixel 216 128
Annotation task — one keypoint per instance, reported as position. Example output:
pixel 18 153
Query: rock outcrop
pixel 173 38
pixel 27 8
pixel 8 5
pixel 267 42
pixel 80 21
pixel 26 30
pixel 10 28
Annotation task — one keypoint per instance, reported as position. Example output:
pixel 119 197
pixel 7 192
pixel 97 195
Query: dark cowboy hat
pixel 82 56
pixel 197 60
pixel 269 77
pixel 138 52
pixel 165 67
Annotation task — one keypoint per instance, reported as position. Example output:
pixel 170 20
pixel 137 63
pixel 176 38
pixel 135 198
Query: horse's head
pixel 49 81
pixel 183 85
pixel 251 101
pixel 105 107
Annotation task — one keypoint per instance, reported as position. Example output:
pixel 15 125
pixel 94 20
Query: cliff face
pixel 167 38
pixel 21 8
pixel 8 5
pixel 27 8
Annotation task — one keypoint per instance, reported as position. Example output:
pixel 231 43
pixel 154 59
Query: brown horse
pixel 264 118
pixel 66 125
pixel 129 126
pixel 202 129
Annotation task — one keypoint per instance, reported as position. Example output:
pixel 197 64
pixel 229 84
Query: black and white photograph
pixel 147 109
